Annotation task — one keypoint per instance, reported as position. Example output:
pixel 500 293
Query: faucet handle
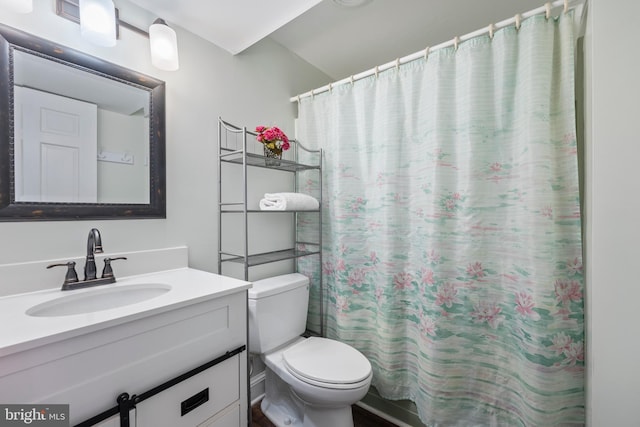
pixel 71 276
pixel 108 271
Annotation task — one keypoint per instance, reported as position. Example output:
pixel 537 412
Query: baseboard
pixel 382 415
pixel 257 387
pixel 257 378
pixel 401 412
pixel 257 400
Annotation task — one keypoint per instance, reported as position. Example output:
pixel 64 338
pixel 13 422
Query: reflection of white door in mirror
pixel 55 153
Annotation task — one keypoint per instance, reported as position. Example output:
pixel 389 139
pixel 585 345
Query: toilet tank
pixel 277 311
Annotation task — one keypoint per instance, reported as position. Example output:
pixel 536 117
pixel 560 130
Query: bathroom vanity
pixel 183 338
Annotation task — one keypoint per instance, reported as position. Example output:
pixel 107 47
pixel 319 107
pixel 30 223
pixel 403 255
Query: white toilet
pixel 310 382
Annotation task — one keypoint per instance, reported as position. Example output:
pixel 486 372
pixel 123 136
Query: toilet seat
pixel 327 363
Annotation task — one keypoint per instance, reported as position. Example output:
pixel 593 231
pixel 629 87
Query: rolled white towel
pixel 288 202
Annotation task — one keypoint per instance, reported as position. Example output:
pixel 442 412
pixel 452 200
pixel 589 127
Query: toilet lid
pixel 321 360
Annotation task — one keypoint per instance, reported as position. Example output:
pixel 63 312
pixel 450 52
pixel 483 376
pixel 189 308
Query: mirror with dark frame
pixel 80 138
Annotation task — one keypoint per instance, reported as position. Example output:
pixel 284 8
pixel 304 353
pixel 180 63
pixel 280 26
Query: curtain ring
pixel 491 29
pixel 426 52
pixel 566 6
pixel 351 79
pixel 518 21
pixel 377 71
pixel 398 64
pixel 313 95
pixel 298 99
pixel 547 7
pixel 330 87
pixel 456 41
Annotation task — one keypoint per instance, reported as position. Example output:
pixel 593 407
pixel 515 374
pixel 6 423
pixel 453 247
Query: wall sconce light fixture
pixel 164 46
pixel 162 39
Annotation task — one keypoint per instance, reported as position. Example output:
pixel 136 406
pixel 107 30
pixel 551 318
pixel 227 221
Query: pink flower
pixel 450 204
pixel 525 305
pixel 560 342
pixel 341 265
pixel 356 277
pixel 486 311
pixel 455 196
pixel 342 304
pixel 575 266
pixel 373 257
pixel 496 167
pixel 475 270
pixel 567 291
pixel 379 293
pixel 447 295
pixel 272 136
pixel 547 211
pixel 402 281
pixel 427 276
pixel 574 353
pixel 427 325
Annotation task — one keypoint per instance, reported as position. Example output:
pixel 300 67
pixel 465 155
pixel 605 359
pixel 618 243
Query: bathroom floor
pixel 361 418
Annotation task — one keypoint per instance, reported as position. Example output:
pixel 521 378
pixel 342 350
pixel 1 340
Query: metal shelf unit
pixel 237 145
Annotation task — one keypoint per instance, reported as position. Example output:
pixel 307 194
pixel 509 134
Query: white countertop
pixel 19 331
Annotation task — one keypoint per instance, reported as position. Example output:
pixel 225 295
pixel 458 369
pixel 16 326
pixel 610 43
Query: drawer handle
pixel 194 401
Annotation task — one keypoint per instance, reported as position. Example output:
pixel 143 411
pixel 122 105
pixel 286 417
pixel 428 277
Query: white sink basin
pixel 98 299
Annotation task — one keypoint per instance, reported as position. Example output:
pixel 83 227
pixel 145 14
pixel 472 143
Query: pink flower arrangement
pixel 273 138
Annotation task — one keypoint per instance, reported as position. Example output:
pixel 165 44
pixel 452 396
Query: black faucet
pixel 94 246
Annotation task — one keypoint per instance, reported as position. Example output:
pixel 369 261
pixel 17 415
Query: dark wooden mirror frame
pixel 10 210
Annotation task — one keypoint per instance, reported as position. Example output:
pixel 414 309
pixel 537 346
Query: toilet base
pixel 284 409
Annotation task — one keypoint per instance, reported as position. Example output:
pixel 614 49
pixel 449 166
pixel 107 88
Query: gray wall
pixel 249 89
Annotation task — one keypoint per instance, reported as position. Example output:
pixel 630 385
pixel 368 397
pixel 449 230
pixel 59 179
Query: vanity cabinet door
pixel 115 421
pixel 209 395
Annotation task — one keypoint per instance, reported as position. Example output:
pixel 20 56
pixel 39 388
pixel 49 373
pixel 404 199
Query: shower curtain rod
pixel 546 8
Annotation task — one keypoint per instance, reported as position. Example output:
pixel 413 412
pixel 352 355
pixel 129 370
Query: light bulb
pixel 98 21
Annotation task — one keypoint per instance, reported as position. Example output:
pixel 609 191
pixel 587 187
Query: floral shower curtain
pixel 451 228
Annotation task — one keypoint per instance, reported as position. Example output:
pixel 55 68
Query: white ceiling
pixel 338 40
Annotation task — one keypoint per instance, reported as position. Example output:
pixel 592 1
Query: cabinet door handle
pixel 194 401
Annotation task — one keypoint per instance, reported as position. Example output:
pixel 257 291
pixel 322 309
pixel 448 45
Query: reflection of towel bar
pixel 109 156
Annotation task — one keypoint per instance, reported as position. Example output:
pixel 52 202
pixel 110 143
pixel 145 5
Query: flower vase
pixel 273 157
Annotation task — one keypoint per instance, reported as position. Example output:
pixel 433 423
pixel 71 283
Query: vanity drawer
pixel 195 400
